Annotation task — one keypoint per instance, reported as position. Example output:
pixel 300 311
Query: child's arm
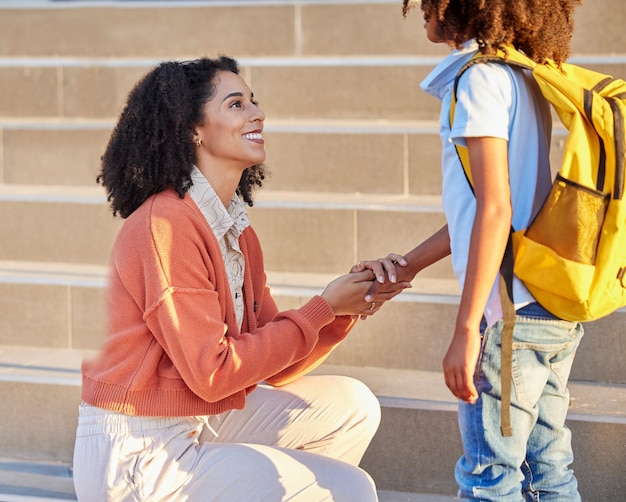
pixel 488 158
pixel 396 268
pixel 429 251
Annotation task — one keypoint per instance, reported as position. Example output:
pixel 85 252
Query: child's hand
pixel 459 366
pixel 383 268
pixel 391 279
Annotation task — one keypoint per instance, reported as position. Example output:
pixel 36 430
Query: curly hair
pixel 151 147
pixel 542 29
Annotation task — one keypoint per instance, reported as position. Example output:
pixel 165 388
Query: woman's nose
pixel 257 114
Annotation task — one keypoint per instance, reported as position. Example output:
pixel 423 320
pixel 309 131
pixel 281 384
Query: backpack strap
pixel 506 351
pixel 512 58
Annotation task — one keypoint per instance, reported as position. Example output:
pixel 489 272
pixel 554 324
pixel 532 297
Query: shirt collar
pixel 219 218
pixel 439 80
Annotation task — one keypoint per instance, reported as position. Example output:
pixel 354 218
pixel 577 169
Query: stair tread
pixel 395 387
pixel 266 198
pixel 22 481
pixel 12 271
pixel 423 389
pixel 292 60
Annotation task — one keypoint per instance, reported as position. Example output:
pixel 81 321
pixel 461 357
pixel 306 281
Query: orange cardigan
pixel 173 346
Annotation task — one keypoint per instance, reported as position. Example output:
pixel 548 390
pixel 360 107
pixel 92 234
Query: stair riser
pixel 52 316
pixel 295 239
pixel 57 232
pixel 301 161
pixel 190 31
pixel 416 450
pixel 40 423
pixel 404 335
pixel 67 157
pixel 416 336
pixel 328 162
pixel 333 92
pixel 285 92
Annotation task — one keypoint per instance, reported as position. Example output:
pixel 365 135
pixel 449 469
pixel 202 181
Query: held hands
pixel 386 285
pixel 347 294
pixel 391 276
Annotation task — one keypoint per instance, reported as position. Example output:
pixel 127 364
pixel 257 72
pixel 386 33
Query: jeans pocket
pixel 543 353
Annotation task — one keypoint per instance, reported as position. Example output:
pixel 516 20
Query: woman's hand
pixel 346 294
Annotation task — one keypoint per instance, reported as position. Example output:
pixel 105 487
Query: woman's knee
pixel 358 485
pixel 356 394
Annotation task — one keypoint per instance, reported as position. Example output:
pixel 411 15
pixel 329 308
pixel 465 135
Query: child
pixel 505 123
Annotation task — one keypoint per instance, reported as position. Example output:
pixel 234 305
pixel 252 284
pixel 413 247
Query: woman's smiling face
pixel 232 130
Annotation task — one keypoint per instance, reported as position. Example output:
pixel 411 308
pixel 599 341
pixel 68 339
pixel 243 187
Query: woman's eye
pixel 239 103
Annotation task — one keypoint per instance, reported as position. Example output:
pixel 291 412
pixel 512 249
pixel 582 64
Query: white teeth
pixel 253 135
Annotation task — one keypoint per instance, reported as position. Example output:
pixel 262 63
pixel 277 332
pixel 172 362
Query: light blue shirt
pixel 493 100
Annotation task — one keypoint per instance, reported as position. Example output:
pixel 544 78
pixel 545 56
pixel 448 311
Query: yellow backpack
pixel 572 257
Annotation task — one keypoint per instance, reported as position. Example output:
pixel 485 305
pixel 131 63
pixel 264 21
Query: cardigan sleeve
pixel 329 337
pixel 332 331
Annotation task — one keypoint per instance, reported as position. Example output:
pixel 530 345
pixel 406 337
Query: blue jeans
pixel 533 464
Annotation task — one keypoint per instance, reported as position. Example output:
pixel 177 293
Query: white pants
pixel 301 442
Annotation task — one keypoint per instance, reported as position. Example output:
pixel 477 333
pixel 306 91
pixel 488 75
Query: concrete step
pixel 304 88
pixel 413 330
pixel 328 156
pixel 364 156
pixel 419 418
pixel 61 306
pixel 312 232
pixel 339 88
pixel 65 224
pixel 35 481
pixel 52 482
pixel 418 443
pixel 183 29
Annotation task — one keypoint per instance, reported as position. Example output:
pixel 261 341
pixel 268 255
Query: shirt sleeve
pixel 484 103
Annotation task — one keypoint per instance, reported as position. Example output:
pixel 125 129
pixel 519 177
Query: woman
pixel 173 407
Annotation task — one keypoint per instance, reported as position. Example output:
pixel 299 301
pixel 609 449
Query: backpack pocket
pixel 570 221
pixel 540 268
pixel 559 248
